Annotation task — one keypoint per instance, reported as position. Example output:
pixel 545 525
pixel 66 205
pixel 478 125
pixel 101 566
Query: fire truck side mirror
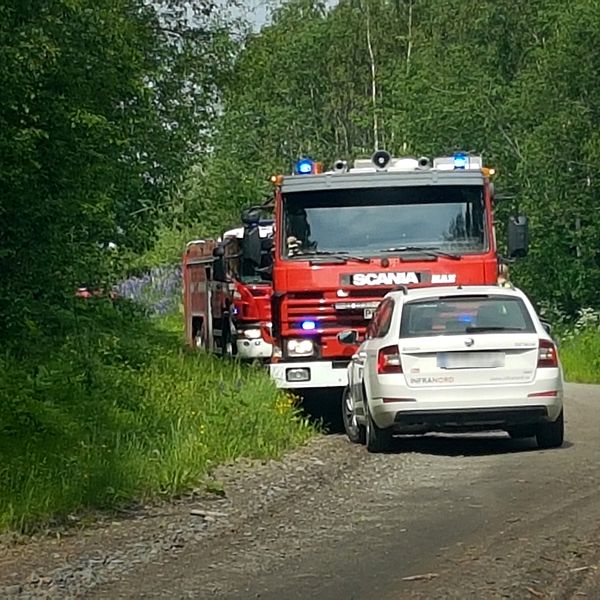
pixel 518 236
pixel 250 216
pixel 546 325
pixel 252 246
pixel 219 272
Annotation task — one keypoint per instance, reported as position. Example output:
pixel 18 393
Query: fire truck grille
pixel 330 313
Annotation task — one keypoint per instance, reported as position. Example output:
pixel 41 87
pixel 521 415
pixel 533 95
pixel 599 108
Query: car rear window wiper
pixel 341 255
pixel 428 250
pixel 475 329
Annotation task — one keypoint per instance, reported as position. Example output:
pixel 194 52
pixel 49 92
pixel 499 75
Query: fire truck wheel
pixel 377 440
pixel 356 433
pixel 227 341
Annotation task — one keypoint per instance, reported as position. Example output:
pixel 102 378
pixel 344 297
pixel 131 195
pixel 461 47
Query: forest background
pixel 129 127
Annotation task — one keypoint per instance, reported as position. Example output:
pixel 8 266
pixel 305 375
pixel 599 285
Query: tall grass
pixel 580 357
pixel 115 409
pixel 580 346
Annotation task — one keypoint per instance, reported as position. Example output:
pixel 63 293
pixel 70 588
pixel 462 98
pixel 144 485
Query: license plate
pixel 368 313
pixel 470 360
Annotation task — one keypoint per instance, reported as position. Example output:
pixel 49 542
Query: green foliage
pixel 579 347
pixel 119 412
pixel 580 357
pixel 429 77
pixel 103 108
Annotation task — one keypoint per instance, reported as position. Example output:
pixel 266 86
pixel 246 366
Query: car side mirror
pixel 546 325
pixel 350 337
pixel 518 236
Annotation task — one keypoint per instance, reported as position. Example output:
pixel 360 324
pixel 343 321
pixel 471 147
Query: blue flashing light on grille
pixel 304 166
pixel 308 325
pixel 460 160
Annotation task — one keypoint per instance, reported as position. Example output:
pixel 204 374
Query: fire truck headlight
pixel 251 334
pixel 301 347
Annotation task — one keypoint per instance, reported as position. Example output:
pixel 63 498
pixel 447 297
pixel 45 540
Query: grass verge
pixel 580 357
pixel 115 410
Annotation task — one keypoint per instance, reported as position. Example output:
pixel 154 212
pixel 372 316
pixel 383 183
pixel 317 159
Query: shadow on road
pixel 476 444
pixel 324 409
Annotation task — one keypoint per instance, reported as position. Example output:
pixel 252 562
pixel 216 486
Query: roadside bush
pixel 115 410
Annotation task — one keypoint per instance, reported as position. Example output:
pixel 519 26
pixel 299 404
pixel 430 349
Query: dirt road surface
pixel 478 516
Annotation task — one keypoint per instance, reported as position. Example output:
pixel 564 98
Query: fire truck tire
pixel 377 440
pixel 199 341
pixel 227 344
pixel 356 433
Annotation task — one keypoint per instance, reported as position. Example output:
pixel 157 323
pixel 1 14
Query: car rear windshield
pixel 465 315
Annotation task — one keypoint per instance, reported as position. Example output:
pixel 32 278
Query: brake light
pixel 547 355
pixel 388 360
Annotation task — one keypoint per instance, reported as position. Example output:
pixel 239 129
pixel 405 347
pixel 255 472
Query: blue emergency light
pixel 308 325
pixel 304 166
pixel 460 161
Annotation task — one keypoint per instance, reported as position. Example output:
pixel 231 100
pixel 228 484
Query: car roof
pixel 441 291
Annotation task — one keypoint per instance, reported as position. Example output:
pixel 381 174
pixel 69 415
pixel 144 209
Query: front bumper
pixel 321 374
pixel 252 349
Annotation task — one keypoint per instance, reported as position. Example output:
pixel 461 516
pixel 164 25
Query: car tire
pixel 377 440
pixel 551 435
pixel 356 433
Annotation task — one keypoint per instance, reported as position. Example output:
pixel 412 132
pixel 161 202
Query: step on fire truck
pixel 348 236
pixel 227 301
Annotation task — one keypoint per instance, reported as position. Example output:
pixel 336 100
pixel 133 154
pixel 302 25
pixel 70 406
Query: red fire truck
pixel 227 302
pixel 346 237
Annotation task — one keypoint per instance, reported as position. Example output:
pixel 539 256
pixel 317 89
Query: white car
pixel 453 359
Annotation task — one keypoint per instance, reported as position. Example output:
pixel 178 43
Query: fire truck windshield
pixel 373 221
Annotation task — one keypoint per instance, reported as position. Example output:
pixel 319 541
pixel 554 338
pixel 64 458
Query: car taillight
pixel 388 361
pixel 547 356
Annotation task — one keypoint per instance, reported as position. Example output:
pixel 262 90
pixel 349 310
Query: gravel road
pixel 478 516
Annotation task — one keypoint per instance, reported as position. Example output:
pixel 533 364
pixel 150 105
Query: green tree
pixel 103 107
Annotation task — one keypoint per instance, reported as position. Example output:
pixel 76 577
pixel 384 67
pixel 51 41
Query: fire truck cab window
pixel 371 221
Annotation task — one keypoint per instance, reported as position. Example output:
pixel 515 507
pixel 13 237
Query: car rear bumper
pixel 475 407
pixel 469 419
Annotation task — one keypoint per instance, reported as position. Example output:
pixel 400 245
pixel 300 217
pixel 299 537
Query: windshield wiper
pixel 429 251
pixel 339 255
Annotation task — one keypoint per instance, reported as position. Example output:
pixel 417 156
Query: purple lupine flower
pixel 158 291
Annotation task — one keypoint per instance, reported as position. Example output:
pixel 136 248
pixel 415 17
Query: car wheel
pixel 377 440
pixel 356 433
pixel 551 435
